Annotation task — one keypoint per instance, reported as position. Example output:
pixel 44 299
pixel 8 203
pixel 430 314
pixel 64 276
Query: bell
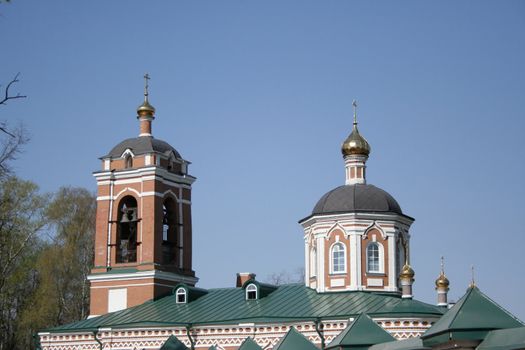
pixel 128 215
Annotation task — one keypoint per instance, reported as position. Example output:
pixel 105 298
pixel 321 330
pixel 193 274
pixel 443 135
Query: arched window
pixel 313 262
pixel 251 292
pixel 373 258
pixel 127 230
pixel 181 296
pixel 169 231
pixel 128 161
pixel 338 258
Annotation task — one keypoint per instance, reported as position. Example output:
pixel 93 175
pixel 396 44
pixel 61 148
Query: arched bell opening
pixel 169 232
pixel 127 230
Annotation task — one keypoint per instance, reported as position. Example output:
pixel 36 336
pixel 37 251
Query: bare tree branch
pixel 9 97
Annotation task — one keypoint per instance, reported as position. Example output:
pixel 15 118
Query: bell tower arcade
pixel 143 241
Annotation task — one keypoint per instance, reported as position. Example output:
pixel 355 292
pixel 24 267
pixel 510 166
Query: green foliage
pixel 21 218
pixel 42 277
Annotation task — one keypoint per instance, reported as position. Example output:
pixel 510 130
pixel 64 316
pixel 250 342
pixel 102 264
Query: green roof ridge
pixel 249 344
pixel 293 340
pixel 362 331
pixel 173 343
pixel 474 311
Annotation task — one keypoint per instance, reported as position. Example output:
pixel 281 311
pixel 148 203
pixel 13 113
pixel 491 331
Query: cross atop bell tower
pixel 145 112
pixel 143 242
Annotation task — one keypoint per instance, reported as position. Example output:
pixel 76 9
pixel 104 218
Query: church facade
pixel 143 289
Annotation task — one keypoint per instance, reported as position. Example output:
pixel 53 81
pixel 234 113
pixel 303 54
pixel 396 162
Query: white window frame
pixel 313 262
pixel 252 288
pixel 332 270
pixel 381 260
pixel 181 291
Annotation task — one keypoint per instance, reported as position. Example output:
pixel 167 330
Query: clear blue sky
pixel 258 96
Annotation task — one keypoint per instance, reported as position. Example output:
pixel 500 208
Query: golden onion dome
pixel 146 108
pixel 355 144
pixel 407 272
pixel 442 281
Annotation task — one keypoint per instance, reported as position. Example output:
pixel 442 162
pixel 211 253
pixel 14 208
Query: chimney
pixel 243 277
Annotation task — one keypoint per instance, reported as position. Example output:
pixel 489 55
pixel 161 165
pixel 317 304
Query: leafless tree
pixel 13 138
pixel 7 95
pixel 285 277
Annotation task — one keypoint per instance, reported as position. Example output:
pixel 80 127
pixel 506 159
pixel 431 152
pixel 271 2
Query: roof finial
pixel 354 104
pixel 472 282
pixel 442 264
pixel 146 85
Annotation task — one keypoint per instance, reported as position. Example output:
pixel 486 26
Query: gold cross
pixel 354 104
pixel 146 78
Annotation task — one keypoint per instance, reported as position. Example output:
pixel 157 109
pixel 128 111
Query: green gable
pixel 504 339
pixel 293 340
pixel 471 318
pixel 249 344
pixel 287 303
pixel 406 344
pixel 173 344
pixel 360 334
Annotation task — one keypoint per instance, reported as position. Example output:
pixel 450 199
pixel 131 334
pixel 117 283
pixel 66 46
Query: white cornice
pixel 355 216
pixel 152 171
pixel 157 274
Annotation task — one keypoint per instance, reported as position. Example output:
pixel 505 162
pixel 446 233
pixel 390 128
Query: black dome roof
pixel 358 197
pixel 141 145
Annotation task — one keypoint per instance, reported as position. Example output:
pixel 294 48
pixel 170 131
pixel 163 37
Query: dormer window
pixel 181 296
pixel 251 292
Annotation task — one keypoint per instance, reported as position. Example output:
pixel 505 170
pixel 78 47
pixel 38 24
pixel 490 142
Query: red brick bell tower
pixel 143 240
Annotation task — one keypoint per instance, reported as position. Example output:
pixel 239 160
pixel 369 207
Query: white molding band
pixel 167 276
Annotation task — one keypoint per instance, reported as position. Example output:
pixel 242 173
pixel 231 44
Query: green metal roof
pixel 470 318
pixel 406 344
pixel 173 344
pixel 504 339
pixel 293 340
pixel 362 333
pixel 249 344
pixel 292 302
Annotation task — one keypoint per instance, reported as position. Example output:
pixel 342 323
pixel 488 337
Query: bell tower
pixel 143 241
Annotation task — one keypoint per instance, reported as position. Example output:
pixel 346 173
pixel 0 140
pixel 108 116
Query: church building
pixel 357 292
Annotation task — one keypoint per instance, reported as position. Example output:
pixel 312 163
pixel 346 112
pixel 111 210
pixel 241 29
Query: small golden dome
pixel 442 281
pixel 146 108
pixel 355 144
pixel 407 272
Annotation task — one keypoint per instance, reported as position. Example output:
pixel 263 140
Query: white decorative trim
pixel 168 276
pixel 126 152
pixel 126 190
pixel 155 172
pixel 337 282
pixel 381 249
pixel 228 336
pixel 134 285
pixel 330 252
pixel 334 227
